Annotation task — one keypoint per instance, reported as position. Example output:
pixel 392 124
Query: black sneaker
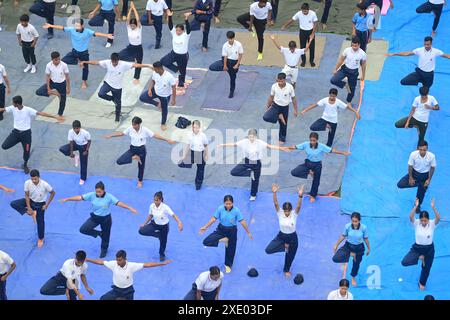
pixel 231 95
pixel 50 36
pixel 117 118
pixel 313 64
pixel 162 257
pixel 302 64
pixel 103 253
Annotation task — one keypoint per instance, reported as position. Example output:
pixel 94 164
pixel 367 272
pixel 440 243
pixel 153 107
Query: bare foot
pixel 136 81
pixel 280 143
pixel 84 85
pixel 354 282
pixel 137 158
pixel 312 199
pixel 421 287
pixel 40 243
pixel 324 26
pixel 204 49
pixel 433 34
pixel 287 274
pixel 216 20
pixel 139 184
pixel 163 127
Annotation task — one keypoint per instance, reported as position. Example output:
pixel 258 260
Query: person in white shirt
pixel 277 108
pixel 155 10
pixel 177 59
pixel 424 72
pixel 307 20
pixel 329 117
pixel 206 286
pixel 421 167
pixel 232 52
pixel 196 152
pixel 259 15
pixel 420 113
pixel 161 92
pixel 27 36
pixel 67 280
pixel 36 202
pixel 253 150
pixel 435 6
pixel 105 10
pixel 4 90
pixel 423 248
pixel 286 239
pixel 348 67
pixel 115 71
pixel 57 81
pixel 157 223
pixel 22 127
pixel 7 266
pixel 123 272
pixel 137 151
pixel 291 57
pixel 342 293
pixel 79 140
pixel 134 51
pixel 46 10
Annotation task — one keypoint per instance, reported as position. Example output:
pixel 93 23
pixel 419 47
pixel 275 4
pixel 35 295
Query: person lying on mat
pixel 286 239
pixel 7 190
pixel 313 163
pixel 423 248
pixel 206 286
pixel 7 266
pixel 342 293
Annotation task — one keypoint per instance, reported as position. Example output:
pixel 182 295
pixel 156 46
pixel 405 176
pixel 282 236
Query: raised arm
pixel 206 226
pixel 169 19
pixel 114 135
pixel 446 55
pixel 136 14
pixel 156 264
pixel 74 198
pixel 125 206
pixel 47 115
pixel 186 21
pixel 413 211
pixel 300 199
pixel 287 24
pixel 104 35
pixel 231 144
pixel 159 137
pixel 314 105
pixel 8 190
pixel 95 261
pixel 436 212
pixel 400 54
pixel 52 26
pixel 275 188
pixel 92 63
pixel 344 153
pixel 275 42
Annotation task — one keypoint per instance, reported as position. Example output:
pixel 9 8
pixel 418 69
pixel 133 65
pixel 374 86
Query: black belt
pixel 293 67
pixel 21 131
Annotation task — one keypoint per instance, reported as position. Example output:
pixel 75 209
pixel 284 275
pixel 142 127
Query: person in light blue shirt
pixel 228 217
pixel 355 234
pixel 362 22
pixel 313 163
pixel 101 214
pixel 109 11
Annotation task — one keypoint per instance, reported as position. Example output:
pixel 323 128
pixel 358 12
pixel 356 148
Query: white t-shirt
pixel 28 33
pixel 306 22
pixel 424 235
pixel 232 52
pixel 330 112
pixel 252 150
pixel 134 36
pixel 260 13
pixel 180 43
pixel 73 272
pixel 160 214
pixel 164 83
pixel 39 192
pixel 420 164
pixel 353 58
pixel 138 138
pixel 206 284
pixel 287 224
pixel 427 59
pixel 114 74
pixel 123 277
pixel 57 73
pixel 421 113
pixel 292 58
pixel 2 73
pixel 335 295
pixel 5 262
pixel 437 1
pixel 157 8
pixel 197 142
pixel 22 118
pixel 282 96
pixel 81 138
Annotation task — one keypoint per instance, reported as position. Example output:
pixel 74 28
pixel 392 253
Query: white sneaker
pixel 252 198
pixel 28 68
pixel 76 160
pixel 33 69
pixel 64 6
pixel 81 182
pixel 108 45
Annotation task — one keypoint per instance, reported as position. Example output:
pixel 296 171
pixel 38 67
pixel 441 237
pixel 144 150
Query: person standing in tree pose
pixel 154 17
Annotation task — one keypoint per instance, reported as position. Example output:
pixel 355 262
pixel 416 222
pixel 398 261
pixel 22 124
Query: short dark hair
pixel 344 283
pixel 157 64
pixel 81 21
pixel 228 197
pixel 159 195
pixel 54 55
pixel 428 38
pixel 100 185
pixel 305 6
pixel 287 206
pixel 179 26
pixel 214 271
pixel 361 6
pixel 80 256
pixel 424 91
pixel 34 173
pixel 76 124
pixel 17 100
pixel 355 39
pixel 423 143
pixel 114 56
pixel 424 214
pixel 292 44
pixel 281 76
pixel 121 254
pixel 133 21
pixel 136 120
pixel 428 297
pixel 314 135
pixel 356 215
pixel 24 18
pixel 333 91
pixel 231 35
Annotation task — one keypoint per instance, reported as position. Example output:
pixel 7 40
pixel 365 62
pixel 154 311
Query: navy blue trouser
pixel 218 66
pixel 100 18
pixel 278 245
pixel 419 179
pixel 302 171
pixel 157 24
pixel 352 77
pixel 105 223
pixel 16 136
pixel 133 54
pixel 428 7
pixel 119 294
pixel 422 126
pixel 413 79
pixel 144 97
pixel 181 61
pixel 74 57
pixel 260 27
pixel 321 125
pixel 158 231
pixel 3 296
pixel 363 37
pixel 244 169
pixel 65 150
pixel 192 294
pixel 45 10
pixel 2 99
pixel 169 4
pixel 272 115
pixel 56 286
pixel 342 255
pixel 326 11
pixel 224 232
pixel 195 26
pixel 127 158
pixel 303 37
pixel 217 5
pixel 20 206
pixel 125 8
pixel 115 96
pixel 28 52
pixel 199 159
pixel 412 257
pixel 61 88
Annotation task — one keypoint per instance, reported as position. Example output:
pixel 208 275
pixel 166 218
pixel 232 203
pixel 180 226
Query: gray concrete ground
pixel 48 137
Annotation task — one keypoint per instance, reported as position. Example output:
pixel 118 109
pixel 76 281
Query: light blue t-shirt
pixel 228 218
pixel 355 236
pixel 362 23
pixel 108 5
pixel 80 40
pixel 314 155
pixel 100 205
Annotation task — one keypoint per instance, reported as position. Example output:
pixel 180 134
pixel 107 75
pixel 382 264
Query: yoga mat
pixel 217 97
pixel 194 79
